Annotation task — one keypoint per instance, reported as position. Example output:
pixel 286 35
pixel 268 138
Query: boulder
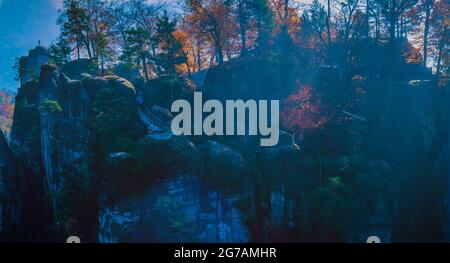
pixel 225 168
pixel 162 114
pixel 163 91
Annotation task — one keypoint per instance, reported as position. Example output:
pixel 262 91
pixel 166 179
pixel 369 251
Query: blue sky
pixel 22 24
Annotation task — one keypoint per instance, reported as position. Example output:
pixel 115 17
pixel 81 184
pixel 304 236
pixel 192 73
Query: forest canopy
pixel 190 35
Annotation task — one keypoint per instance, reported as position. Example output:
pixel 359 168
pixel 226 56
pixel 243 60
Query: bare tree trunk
pixel 144 68
pixel 102 65
pixel 328 21
pixel 286 11
pixel 377 27
pixel 242 27
pixel 367 18
pixel 397 28
pixel 199 58
pixel 439 59
pixel 243 41
pixel 392 19
pixel 88 48
pixel 428 6
pixel 219 54
pixel 186 54
pixel 78 49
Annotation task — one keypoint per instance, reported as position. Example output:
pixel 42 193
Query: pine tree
pixel 138 47
pixel 264 21
pixel 60 51
pixel 172 51
pixel 75 26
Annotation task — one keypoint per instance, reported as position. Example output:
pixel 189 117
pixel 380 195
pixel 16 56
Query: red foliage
pixel 6 111
pixel 304 110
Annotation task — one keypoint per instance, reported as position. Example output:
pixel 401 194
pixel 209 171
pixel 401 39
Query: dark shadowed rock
pixel 176 156
pixel 163 91
pixel 248 78
pixel 127 72
pixel 77 69
pixel 225 168
pixel 9 204
pixel 163 114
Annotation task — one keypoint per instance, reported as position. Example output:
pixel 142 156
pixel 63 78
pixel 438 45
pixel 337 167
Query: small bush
pixel 50 105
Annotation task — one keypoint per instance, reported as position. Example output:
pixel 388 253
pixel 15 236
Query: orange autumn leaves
pixel 304 110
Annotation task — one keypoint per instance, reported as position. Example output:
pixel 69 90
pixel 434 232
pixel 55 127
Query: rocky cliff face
pixel 30 66
pixel 53 141
pixel 25 145
pixel 9 206
pixel 86 159
pixel 94 156
pixel 50 138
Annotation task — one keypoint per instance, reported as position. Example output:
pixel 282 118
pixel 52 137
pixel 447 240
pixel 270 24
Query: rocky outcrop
pixel 80 69
pixel 25 145
pixel 30 66
pixel 164 91
pixel 130 73
pixel 172 210
pixel 249 78
pixel 53 139
pixel 225 168
pixel 77 165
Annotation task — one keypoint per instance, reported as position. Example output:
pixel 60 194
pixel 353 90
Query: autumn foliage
pixel 6 111
pixel 304 110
